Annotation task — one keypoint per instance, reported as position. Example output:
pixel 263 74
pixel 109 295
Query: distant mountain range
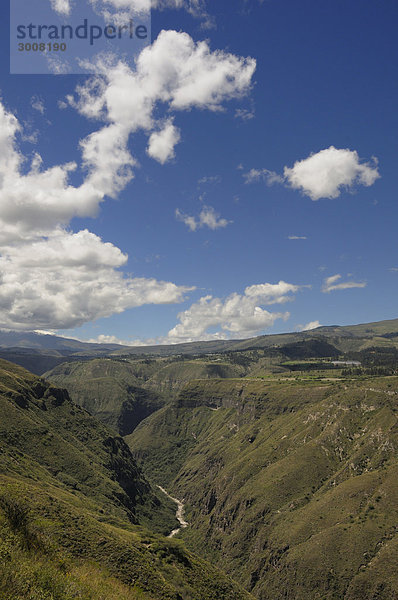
pixel 41 341
pixel 42 352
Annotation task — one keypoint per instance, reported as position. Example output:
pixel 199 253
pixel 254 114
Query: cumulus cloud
pixel 309 326
pixel 174 71
pixel 68 279
pixel 35 200
pixel 52 278
pixel 324 174
pixel 207 218
pixel 330 284
pixel 238 315
pixel 162 143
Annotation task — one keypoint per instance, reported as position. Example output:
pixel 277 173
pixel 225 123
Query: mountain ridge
pixel 12 339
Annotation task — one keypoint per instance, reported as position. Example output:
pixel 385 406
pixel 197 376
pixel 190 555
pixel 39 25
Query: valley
pixel 281 457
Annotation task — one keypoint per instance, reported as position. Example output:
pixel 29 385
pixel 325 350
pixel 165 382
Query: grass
pixel 289 486
pixel 78 519
pixel 110 389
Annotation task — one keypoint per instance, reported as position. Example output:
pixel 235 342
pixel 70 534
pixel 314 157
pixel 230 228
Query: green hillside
pixel 111 390
pixel 283 450
pixel 121 392
pixel 291 486
pixel 77 517
pixel 172 377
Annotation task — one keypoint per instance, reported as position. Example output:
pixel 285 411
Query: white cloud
pixel 190 222
pixel 273 293
pixel 55 279
pixel 324 174
pixel 174 71
pixel 68 279
pixel 134 7
pixel 238 315
pixel 108 160
pixel 112 339
pixel 38 104
pixel 330 284
pixel 207 218
pixel 311 325
pixel 33 200
pixel 270 177
pixel 297 237
pixel 62 7
pixel 162 143
pixel 120 11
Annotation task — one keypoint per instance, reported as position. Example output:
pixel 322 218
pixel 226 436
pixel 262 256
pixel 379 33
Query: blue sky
pixel 253 190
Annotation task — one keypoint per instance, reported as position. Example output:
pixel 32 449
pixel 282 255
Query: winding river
pixel 179 513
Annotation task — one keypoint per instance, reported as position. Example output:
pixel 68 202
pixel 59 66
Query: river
pixel 179 513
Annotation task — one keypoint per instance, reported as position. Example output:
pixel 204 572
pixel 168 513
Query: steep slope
pixel 35 361
pixel 72 508
pixel 47 438
pixel 109 389
pixel 291 487
pixel 121 393
pixel 170 378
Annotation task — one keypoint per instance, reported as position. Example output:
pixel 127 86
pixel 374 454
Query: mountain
pixel 40 352
pixel 42 341
pixel 354 337
pixel 49 439
pixel 284 455
pixel 110 389
pixel 290 484
pixel 122 391
pixel 78 519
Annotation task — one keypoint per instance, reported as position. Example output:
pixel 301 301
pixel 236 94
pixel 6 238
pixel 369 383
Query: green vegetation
pixel 290 486
pixel 77 517
pixel 110 389
pixel 282 448
pixel 121 392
